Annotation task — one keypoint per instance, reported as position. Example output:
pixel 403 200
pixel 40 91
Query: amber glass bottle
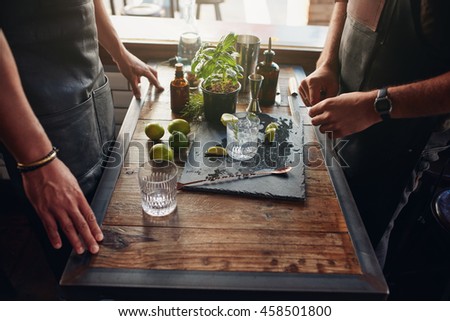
pixel 270 71
pixel 179 90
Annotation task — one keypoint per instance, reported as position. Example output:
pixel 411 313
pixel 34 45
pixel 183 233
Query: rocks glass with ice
pixel 158 182
pixel 242 136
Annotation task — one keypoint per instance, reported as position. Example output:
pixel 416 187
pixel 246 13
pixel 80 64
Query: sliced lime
pixel 216 151
pixel 272 125
pixel 270 135
pixel 226 118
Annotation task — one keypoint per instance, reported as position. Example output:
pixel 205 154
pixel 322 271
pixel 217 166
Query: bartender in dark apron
pixel 55 47
pixel 387 43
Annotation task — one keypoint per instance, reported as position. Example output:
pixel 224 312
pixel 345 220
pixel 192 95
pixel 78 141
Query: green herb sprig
pixel 217 65
pixel 194 108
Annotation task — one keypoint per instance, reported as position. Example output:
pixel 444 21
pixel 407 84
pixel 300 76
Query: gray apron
pixel 54 43
pixel 384 49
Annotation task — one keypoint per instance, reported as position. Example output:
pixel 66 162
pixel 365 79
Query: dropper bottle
pixel 270 71
pixel 179 90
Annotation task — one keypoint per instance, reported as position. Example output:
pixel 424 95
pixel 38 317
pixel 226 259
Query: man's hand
pixel 129 65
pixel 322 83
pixel 58 200
pixel 345 114
pixel 133 69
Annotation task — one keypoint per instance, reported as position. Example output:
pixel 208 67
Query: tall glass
pixel 242 136
pixel 158 184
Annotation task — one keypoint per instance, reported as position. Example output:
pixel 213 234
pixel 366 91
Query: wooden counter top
pixel 315 248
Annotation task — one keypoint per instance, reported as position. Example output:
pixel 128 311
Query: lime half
pixel 272 125
pixel 270 134
pixel 226 118
pixel 216 151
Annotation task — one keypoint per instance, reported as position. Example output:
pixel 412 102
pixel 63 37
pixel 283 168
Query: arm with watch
pixel 353 112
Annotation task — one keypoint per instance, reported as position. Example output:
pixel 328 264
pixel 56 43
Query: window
pixel 297 35
pixel 275 12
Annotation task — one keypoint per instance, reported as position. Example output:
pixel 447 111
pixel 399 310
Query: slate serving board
pixel 286 150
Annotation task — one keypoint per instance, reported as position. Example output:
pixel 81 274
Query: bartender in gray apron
pixel 383 44
pixel 55 46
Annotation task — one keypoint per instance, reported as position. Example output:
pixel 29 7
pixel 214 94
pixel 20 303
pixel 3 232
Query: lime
pixel 272 125
pixel 154 131
pixel 179 125
pixel 178 140
pixel 226 118
pixel 216 151
pixel 270 135
pixel 161 151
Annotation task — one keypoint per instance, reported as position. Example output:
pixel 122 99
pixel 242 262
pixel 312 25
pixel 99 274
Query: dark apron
pixel 383 49
pixel 54 43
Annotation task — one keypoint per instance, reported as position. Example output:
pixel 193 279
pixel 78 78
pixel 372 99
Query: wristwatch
pixel 383 104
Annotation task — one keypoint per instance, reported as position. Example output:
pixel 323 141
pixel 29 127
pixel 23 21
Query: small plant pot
pixel 215 104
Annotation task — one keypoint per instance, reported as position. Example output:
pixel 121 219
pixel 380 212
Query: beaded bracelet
pixel 23 168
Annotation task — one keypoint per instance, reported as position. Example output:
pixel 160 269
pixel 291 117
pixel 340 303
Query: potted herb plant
pixel 220 72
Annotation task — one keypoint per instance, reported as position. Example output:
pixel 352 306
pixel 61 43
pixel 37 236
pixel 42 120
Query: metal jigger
pixel 255 81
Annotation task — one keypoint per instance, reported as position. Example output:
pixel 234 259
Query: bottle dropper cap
pixel 269 51
pixel 179 66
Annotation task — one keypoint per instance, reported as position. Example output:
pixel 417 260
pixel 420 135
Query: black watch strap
pixel 383 104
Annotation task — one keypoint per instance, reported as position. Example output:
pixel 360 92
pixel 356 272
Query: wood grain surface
pixel 218 232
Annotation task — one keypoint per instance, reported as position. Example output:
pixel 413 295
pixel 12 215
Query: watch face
pixel 383 105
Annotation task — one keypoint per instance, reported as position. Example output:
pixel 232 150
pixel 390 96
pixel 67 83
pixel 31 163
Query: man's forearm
pixel 424 98
pixel 330 53
pixel 107 35
pixel 20 130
